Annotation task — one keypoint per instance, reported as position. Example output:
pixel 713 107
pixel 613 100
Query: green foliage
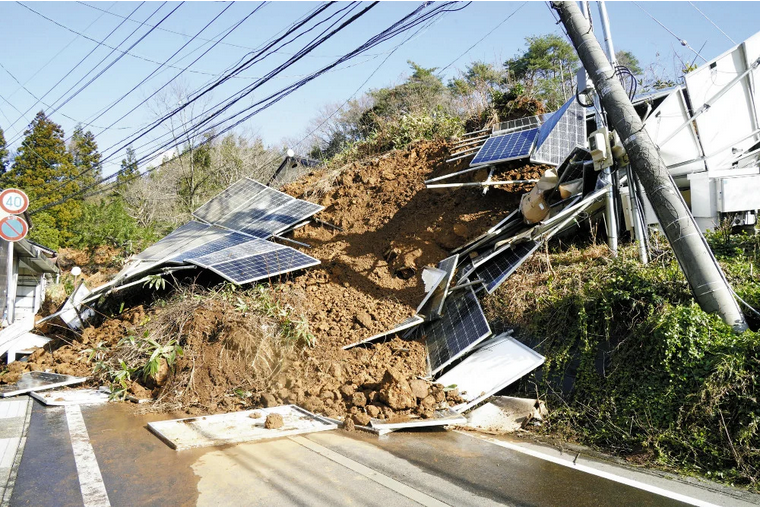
pixel 105 222
pixel 129 168
pixel 85 157
pixel 630 61
pixel 42 168
pixel 3 153
pixel 547 68
pixel 155 282
pixel 653 374
pixel 411 127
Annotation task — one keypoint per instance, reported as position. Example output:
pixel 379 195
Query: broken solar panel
pixel 239 251
pixel 433 304
pixel 462 326
pixel 501 264
pixel 408 323
pixel 229 200
pixel 506 147
pixel 561 132
pixel 280 219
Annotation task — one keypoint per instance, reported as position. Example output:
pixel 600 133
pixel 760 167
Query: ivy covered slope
pixel 634 366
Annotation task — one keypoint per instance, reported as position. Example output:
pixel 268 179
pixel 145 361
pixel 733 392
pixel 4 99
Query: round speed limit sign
pixel 13 201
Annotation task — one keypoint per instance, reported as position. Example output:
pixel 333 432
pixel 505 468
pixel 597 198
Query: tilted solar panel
pixel 263 265
pixel 240 251
pixel 560 134
pixel 230 239
pixel 433 304
pixel 174 241
pixel 506 147
pixel 229 200
pixel 494 271
pixel 462 326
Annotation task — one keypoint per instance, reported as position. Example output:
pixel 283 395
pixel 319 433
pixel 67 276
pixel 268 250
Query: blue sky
pixel 38 53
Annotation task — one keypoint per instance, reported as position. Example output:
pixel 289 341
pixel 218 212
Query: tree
pixel 547 69
pixel 3 153
pixel 629 60
pixel 129 169
pixel 84 154
pixel 44 169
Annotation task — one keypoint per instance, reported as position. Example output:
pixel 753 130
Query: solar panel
pixel 263 265
pixel 250 217
pixel 462 326
pixel 242 250
pixel 279 219
pixel 561 132
pixel 230 239
pixel 229 200
pixel 506 147
pixel 494 271
pixel 408 323
pixel 175 240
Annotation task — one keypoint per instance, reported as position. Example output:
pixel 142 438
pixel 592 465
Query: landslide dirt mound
pixel 368 280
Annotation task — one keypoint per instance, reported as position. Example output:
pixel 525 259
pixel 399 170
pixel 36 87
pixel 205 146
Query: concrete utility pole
pixel 707 282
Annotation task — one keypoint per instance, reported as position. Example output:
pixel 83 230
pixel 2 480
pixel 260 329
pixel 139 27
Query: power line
pixel 156 70
pixel 683 42
pixel 482 39
pixel 39 99
pixel 59 53
pixel 392 31
pixel 713 23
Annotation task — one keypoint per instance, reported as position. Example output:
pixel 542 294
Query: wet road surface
pixel 332 468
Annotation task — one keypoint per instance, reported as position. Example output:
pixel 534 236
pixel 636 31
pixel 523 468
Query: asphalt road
pixel 112 459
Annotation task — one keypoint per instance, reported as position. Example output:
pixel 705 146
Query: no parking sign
pixel 13 201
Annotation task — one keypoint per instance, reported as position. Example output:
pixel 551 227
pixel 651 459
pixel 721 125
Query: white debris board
pixel 72 397
pixel 495 365
pixel 441 418
pixel 39 381
pixel 237 427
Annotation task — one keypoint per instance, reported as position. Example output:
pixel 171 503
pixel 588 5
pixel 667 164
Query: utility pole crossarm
pixel 707 282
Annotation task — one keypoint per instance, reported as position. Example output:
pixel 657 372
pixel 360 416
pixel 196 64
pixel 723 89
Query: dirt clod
pixel 273 421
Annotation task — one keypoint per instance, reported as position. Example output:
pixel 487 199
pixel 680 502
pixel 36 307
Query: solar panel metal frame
pixel 446 340
pixel 448 265
pixel 503 264
pixel 223 268
pixel 245 186
pixel 563 131
pixel 408 323
pixel 519 146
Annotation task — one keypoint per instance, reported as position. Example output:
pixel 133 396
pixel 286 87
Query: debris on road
pixel 38 381
pixel 238 427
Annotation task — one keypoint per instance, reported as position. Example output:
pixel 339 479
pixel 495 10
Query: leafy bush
pixel 653 375
pixel 106 222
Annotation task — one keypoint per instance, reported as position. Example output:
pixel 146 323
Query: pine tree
pixel 3 153
pixel 129 170
pixel 84 153
pixel 44 169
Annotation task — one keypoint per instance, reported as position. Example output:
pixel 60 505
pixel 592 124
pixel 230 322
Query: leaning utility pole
pixel 704 275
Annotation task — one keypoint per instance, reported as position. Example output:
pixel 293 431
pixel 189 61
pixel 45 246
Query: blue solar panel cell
pixel 561 132
pixel 174 241
pixel 495 270
pixel 247 249
pixel 264 265
pixel 230 239
pixel 506 147
pixel 462 326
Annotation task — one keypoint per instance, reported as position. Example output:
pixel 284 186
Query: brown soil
pixel 368 280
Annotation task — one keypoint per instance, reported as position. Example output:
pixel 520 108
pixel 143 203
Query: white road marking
pixel 396 486
pixel 90 480
pixel 593 471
